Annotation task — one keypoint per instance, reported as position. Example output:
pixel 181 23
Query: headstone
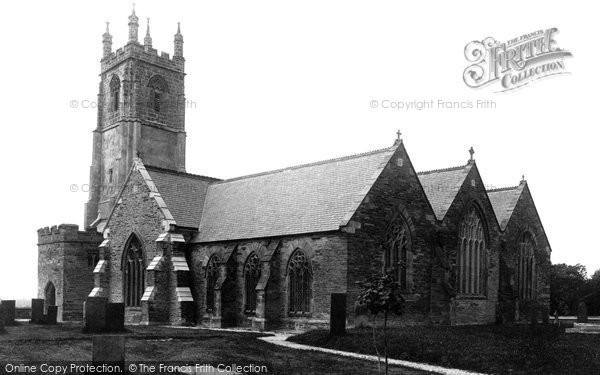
pixel 545 315
pixel 50 317
pixel 361 315
pixel 337 315
pixel 37 310
pixel 115 317
pixel 9 312
pixel 582 314
pixel 109 350
pixel 1 317
pixel 95 314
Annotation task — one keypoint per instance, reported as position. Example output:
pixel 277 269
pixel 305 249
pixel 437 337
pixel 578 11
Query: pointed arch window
pixel 472 255
pixel 212 275
pixel 133 273
pixel 158 88
pixel 397 251
pixel 115 88
pixel 526 268
pixel 299 284
pixel 251 277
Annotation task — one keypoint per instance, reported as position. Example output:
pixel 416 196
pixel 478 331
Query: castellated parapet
pixel 148 54
pixel 66 257
pixel 66 233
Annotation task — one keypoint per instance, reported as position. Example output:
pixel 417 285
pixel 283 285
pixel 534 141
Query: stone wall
pixel 137 214
pixel 524 219
pixel 396 191
pixel 66 258
pixel 472 309
pixel 327 254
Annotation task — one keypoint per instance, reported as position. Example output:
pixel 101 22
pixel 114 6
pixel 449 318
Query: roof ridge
pixel 443 170
pixel 186 174
pixel 506 188
pixel 311 164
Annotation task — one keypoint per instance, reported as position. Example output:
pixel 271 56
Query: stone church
pixel 267 250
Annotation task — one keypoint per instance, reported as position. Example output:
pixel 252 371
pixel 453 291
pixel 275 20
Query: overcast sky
pixel 278 83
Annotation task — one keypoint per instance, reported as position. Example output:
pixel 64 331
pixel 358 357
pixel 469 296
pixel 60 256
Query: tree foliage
pixel 569 284
pixel 381 294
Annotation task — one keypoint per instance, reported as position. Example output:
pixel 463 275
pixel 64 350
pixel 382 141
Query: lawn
pixel 65 342
pixel 510 349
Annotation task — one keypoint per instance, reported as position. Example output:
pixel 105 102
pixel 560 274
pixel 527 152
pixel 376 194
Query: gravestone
pixel 582 314
pixel 95 314
pixel 361 315
pixel 9 312
pixel 545 315
pixel 37 310
pixel 109 350
pixel 337 315
pixel 115 317
pixel 50 317
pixel 1 317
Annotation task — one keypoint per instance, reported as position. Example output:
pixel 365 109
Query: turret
pixel 106 43
pixel 133 27
pixel 148 39
pixel 178 52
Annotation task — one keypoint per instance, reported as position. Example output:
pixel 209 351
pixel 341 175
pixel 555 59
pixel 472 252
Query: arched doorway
pixel 49 296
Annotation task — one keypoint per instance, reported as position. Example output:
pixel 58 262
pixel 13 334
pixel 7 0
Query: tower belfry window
pixel 156 100
pixel 115 88
pixel 158 89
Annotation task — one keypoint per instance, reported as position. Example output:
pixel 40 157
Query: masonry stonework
pixel 396 191
pixel 524 219
pixel 66 259
pixel 154 231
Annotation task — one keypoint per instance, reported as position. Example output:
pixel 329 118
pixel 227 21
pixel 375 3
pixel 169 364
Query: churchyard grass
pixel 66 342
pixel 508 349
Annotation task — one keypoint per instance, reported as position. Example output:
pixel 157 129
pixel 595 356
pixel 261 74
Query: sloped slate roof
pixel 308 198
pixel 442 185
pixel 183 193
pixel 504 201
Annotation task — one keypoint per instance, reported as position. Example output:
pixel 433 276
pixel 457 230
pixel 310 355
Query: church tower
pixel 141 113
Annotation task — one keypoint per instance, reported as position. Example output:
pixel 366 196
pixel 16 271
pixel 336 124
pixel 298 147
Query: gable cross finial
pixel 522 178
pixel 398 137
pixel 471 152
